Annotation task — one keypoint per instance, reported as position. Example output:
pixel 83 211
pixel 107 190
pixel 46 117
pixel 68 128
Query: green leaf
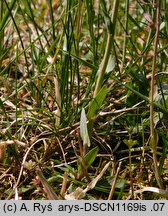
pixel 97 103
pixel 83 129
pixel 89 158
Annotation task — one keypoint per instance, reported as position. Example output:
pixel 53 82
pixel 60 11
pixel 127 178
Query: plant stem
pixel 102 68
pixel 114 182
pixel 130 172
pixel 103 65
pixel 1 33
pixel 126 31
pixel 110 36
pixel 153 85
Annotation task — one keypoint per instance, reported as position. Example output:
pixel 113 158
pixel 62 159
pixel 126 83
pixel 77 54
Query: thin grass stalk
pixel 58 100
pixel 36 26
pixel 90 19
pixel 9 7
pixel 68 68
pixel 3 21
pixel 7 14
pixel 1 33
pixel 114 182
pixel 152 93
pixel 131 173
pixel 51 47
pixel 103 65
pixel 38 95
pixel 126 31
pixel 52 19
pixel 89 7
pixel 79 20
pixel 165 6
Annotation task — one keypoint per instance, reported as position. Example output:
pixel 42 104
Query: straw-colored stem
pixel 152 92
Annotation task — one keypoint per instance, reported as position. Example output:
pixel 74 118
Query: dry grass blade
pixel 114 182
pixel 49 191
pixel 93 183
pixel 154 190
pixel 58 100
pixel 64 185
pixel 80 193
